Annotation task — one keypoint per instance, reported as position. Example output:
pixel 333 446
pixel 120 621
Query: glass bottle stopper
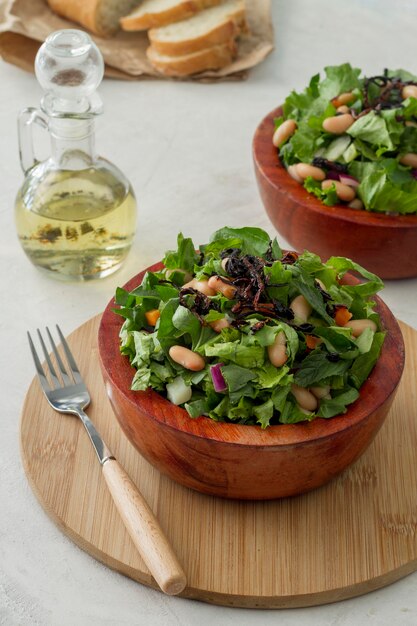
pixel 70 67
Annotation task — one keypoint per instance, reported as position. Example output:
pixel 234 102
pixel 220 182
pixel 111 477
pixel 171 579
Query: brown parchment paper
pixel 26 23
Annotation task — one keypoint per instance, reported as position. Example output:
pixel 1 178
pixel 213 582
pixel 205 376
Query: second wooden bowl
pixel 237 461
pixel 384 244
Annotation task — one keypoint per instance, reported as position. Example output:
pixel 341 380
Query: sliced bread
pixel 155 13
pixel 212 58
pixel 98 16
pixel 208 28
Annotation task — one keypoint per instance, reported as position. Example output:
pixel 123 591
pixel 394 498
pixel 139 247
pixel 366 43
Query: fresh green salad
pixel 242 332
pixel 359 137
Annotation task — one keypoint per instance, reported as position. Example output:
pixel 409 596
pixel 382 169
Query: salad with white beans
pixel 243 332
pixel 353 140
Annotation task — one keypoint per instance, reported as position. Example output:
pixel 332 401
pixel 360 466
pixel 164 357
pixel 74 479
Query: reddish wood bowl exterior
pixel 384 244
pixel 246 462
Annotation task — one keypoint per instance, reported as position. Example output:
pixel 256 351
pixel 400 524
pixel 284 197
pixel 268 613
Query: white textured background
pixel 187 150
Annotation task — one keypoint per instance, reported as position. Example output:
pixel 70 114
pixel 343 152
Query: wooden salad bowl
pixel 384 244
pixel 238 461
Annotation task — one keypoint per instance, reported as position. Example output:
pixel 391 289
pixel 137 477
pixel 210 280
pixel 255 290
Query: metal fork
pixel 71 396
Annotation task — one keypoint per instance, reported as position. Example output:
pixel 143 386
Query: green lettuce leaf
pixel 328 196
pixel 339 79
pixel 364 364
pixel 197 407
pixel 373 129
pixel 249 356
pixel 292 414
pixel 338 404
pixel 316 367
pixel 264 412
pixel 182 258
pixel 250 240
pixel 236 377
pixel 343 265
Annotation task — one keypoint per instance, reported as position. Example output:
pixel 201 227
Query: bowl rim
pixel 116 370
pixel 270 166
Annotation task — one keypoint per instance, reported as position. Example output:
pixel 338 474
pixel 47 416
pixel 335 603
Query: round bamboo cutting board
pixel 356 534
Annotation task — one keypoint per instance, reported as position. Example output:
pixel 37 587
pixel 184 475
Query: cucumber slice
pixel 335 150
pixel 178 392
pixel 350 153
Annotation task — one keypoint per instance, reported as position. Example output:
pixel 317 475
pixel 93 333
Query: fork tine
pixel 71 361
pixel 66 379
pixel 39 369
pixel 54 377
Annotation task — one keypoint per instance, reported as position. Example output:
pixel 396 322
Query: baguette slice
pixel 155 13
pixel 212 58
pixel 98 16
pixel 206 29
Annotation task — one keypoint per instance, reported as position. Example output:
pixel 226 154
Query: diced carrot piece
pixel 312 342
pixel 152 316
pixel 342 315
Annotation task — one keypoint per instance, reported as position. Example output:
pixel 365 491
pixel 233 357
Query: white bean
pixel 356 204
pixel 187 358
pixel 343 98
pixel 284 132
pixel 338 124
pixel 305 399
pixel 218 325
pixel 409 159
pixel 292 171
pixel 409 91
pixel 305 169
pixel 301 308
pixel 320 392
pixel 216 283
pixel 358 326
pixel 200 285
pixel 343 192
pixel 277 352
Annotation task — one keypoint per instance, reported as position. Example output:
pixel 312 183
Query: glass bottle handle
pixel 26 119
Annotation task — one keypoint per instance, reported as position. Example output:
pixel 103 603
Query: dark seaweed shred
pixel 390 95
pixel 332 166
pixel 289 258
pixel 304 328
pixel 199 304
pixel 326 296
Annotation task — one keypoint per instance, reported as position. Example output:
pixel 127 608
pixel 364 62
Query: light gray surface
pixel 187 151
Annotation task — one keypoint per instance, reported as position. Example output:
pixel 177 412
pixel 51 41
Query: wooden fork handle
pixel 144 529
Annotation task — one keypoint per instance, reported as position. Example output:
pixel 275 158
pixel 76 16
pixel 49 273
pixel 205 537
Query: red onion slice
pixel 349 180
pixel 332 175
pixel 217 378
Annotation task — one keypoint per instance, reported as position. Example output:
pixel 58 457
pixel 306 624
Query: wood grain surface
pixel 356 534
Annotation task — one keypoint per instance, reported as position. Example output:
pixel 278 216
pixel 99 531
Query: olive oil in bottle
pixel 75 212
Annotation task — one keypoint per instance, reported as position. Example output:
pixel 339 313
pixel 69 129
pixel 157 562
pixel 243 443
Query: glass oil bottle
pixel 75 212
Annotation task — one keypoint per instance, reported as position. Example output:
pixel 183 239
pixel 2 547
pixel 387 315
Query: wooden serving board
pixel 356 534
